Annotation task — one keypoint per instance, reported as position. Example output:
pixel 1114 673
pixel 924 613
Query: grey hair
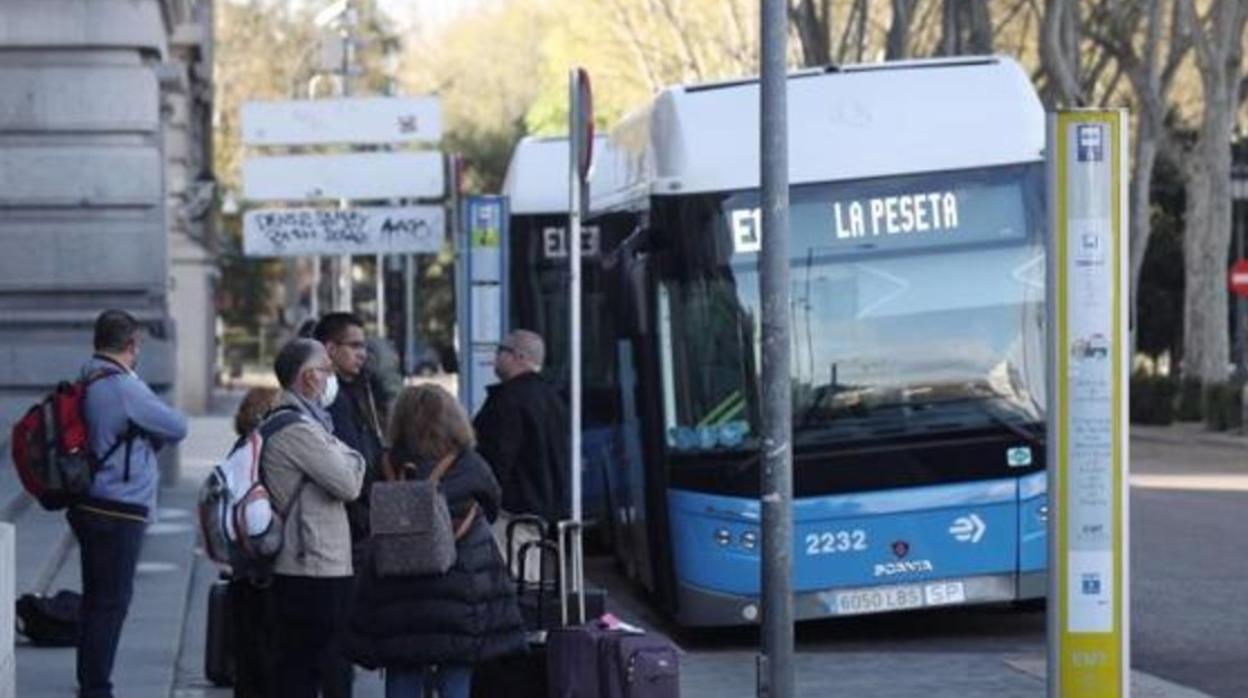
pixel 528 344
pixel 294 357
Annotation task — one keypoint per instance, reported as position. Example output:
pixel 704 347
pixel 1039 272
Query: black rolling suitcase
pixel 523 675
pixel 218 653
pixel 539 602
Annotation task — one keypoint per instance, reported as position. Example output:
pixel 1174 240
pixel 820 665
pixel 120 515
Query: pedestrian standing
pixel 523 431
pixel 252 634
pixel 432 629
pixel 357 423
pixel 128 424
pixel 311 475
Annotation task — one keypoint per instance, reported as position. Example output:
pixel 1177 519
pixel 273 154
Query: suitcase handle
pixel 528 521
pixel 544 548
pixel 570 532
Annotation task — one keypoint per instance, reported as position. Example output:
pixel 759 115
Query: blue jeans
pixel 450 680
pixel 109 548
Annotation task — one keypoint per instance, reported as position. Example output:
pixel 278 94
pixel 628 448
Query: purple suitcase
pixel 572 662
pixel 638 666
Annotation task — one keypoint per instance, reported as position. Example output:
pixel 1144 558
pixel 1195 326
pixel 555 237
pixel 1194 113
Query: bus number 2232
pixel 831 542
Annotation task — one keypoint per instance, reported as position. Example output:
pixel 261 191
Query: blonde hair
pixel 256 403
pixel 428 423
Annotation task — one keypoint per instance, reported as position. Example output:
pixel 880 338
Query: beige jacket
pixel 335 475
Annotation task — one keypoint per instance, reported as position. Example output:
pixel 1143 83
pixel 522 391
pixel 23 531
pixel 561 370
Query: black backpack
pixel 50 621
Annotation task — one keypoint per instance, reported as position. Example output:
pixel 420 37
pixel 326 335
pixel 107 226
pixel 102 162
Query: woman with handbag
pixel 429 628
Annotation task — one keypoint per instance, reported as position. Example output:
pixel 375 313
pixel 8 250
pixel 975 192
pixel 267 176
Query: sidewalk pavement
pixel 162 649
pixel 1183 433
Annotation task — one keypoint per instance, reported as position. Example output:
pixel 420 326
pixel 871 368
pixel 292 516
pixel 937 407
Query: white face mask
pixel 331 391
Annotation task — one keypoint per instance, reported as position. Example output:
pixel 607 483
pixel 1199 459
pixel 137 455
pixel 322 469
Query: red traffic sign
pixel 1239 277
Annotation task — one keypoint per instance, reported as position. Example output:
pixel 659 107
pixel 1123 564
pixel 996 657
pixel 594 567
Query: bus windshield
pixel 916 306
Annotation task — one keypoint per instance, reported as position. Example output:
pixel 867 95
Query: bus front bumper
pixel 700 607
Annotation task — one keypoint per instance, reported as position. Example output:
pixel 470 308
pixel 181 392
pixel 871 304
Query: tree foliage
pixel 501 70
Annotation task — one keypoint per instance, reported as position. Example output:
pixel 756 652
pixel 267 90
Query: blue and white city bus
pixel 917 289
pixel 536 187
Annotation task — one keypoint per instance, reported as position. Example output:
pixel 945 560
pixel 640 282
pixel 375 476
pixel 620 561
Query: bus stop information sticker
pixel 1087 619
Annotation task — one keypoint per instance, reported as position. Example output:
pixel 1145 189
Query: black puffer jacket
pixel 467 615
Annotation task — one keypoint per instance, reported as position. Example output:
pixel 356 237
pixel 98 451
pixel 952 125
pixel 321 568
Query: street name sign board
pixel 383 175
pixel 1087 416
pixel 355 120
pixel 291 232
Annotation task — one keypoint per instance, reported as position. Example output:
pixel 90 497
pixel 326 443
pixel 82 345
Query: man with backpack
pixel 310 476
pixel 127 425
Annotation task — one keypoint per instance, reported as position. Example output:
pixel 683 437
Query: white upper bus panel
pixel 537 176
pixel 852 122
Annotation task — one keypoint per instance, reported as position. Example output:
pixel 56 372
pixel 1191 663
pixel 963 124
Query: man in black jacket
pixel 358 424
pixel 522 430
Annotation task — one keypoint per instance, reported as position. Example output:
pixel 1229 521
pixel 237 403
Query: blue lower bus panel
pixel 863 553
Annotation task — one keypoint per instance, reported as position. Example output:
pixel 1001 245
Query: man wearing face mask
pixel 311 475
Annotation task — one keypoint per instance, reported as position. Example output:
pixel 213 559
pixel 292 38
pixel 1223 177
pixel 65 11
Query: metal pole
pixel 314 307
pixel 1241 307
pixel 776 662
pixel 574 324
pixel 345 290
pixel 381 295
pixel 409 313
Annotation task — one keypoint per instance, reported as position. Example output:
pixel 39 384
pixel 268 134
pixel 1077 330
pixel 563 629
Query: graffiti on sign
pixel 293 232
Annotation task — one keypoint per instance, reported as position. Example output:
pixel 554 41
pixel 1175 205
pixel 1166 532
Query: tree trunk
pixel 899 30
pixel 1206 346
pixel 966 28
pixel 813 31
pixel 1207 237
pixel 1061 64
pixel 1141 213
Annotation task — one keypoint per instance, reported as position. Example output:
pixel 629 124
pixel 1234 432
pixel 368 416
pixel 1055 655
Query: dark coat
pixel 522 430
pixel 467 615
pixel 357 423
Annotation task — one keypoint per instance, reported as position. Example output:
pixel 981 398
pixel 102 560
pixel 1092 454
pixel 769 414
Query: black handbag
pixel 50 621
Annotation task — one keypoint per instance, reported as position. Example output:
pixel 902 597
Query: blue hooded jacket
pixel 117 406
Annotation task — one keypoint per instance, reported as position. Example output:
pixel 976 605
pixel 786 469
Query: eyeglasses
pixel 504 349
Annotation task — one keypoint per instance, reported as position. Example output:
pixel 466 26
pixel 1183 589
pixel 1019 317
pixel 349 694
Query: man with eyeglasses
pixel 357 422
pixel 310 476
pixel 522 430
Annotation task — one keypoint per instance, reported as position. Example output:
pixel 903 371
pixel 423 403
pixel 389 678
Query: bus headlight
pixel 723 536
pixel 1042 512
pixel 749 540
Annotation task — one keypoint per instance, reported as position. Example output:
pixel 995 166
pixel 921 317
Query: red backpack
pixel 51 449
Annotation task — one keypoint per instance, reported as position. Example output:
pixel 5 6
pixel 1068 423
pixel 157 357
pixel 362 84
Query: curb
pixel 1142 685
pixel 1177 436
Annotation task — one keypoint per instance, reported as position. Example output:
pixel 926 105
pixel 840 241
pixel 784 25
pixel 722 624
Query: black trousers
pixel 109 549
pixel 309 613
pixel 253 639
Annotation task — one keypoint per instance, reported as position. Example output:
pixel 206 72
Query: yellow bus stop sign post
pixel 1088 621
